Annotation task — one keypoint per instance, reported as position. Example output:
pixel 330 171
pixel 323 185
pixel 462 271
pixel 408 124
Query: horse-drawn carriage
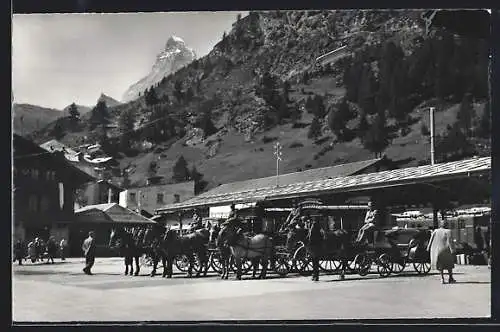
pixel 402 246
pixel 395 249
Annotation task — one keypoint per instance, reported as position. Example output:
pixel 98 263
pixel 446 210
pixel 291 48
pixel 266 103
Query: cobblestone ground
pixel 61 292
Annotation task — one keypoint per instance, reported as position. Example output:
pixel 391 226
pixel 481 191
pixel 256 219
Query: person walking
pixel 88 248
pixel 442 250
pixel 315 237
pixel 62 248
pixel 19 252
pixel 51 249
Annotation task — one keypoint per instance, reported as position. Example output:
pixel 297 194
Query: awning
pixel 110 213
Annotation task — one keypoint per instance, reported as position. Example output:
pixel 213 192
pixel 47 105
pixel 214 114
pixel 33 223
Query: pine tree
pixel 314 129
pixel 338 118
pixel 363 126
pixel 73 113
pixel 99 115
pixel 454 145
pixel 180 170
pixel 178 93
pixel 151 97
pixel 197 177
pixel 377 136
pixel 366 91
pixel 58 131
pixel 161 125
pixel 125 126
pixel 466 115
pixel 205 122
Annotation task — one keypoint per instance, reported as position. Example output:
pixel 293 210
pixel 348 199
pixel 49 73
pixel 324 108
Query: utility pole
pixel 431 118
pixel 277 153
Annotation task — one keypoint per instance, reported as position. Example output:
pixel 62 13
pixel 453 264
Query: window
pixel 132 198
pixel 159 198
pixel 177 198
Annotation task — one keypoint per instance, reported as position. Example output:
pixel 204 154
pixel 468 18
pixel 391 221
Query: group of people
pixel 37 249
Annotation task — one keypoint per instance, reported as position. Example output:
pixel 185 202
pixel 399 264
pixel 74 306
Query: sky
pixel 58 59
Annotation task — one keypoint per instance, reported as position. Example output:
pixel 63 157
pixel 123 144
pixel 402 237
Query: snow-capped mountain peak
pixel 174 56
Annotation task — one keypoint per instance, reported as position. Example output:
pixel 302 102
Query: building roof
pixel 314 174
pixel 24 149
pixel 110 213
pixel 55 145
pixel 340 184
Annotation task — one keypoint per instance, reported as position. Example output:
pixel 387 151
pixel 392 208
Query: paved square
pixel 61 292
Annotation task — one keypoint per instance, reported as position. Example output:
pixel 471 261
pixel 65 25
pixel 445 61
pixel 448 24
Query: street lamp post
pixel 277 153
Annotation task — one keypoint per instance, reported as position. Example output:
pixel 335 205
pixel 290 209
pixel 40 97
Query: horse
pixel 257 248
pixel 152 242
pixel 224 250
pixel 336 242
pixel 129 246
pixel 174 244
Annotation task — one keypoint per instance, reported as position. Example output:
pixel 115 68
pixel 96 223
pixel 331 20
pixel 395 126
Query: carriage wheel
pixel 351 266
pixel 398 267
pixel 215 262
pixel 145 260
pixel 282 264
pixel 329 265
pixel 384 265
pixel 246 265
pixel 303 261
pixel 422 267
pixel 362 264
pixel 197 267
pixel 182 263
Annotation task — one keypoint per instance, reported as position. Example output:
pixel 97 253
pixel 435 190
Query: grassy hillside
pixel 240 85
pixel 28 118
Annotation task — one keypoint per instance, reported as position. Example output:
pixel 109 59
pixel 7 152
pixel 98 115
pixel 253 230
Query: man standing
pixel 316 236
pixel 62 247
pixel 19 252
pixel 88 248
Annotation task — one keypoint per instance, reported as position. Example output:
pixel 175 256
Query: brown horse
pixel 336 243
pixel 129 247
pixel 257 248
pixel 191 244
pixel 224 250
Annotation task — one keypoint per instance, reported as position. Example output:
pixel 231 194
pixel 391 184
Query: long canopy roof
pixel 355 183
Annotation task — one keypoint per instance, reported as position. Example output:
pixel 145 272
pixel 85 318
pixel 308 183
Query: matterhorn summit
pixel 173 57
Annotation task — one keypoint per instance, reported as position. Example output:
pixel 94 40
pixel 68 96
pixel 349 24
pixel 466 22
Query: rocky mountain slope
pixel 261 84
pixel 28 118
pixel 175 56
pixel 35 118
pixel 110 102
